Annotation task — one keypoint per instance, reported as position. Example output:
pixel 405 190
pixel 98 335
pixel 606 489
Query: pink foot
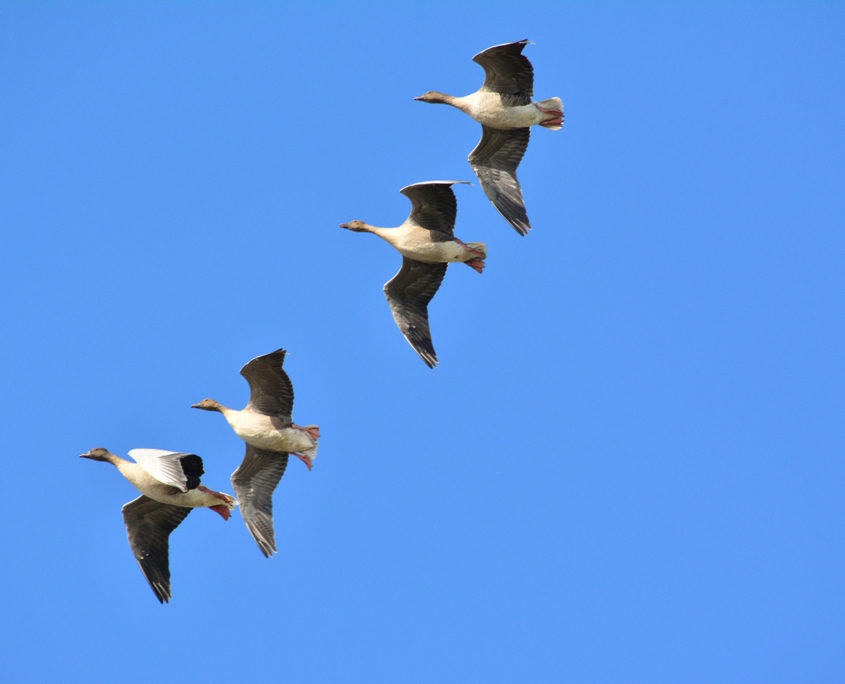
pixel 313 430
pixel 471 250
pixel 549 111
pixel 475 264
pixel 548 123
pixel 222 510
pixel 220 495
pixel 305 459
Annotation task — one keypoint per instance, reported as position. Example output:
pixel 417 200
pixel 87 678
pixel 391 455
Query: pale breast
pixel 259 431
pixel 416 243
pixel 487 108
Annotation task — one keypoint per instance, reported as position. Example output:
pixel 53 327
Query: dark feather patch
pixel 408 294
pixel 434 207
pixel 149 524
pixel 271 391
pixel 192 467
pixel 494 161
pixel 254 482
pixel 508 72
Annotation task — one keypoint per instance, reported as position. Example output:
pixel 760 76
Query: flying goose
pixel 505 111
pixel 427 244
pixel 169 482
pixel 270 435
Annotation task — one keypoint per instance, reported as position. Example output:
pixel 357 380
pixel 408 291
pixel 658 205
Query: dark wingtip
pixel 429 359
pixel 162 594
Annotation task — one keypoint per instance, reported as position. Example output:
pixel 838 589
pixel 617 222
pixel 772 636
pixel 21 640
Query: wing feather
pixel 254 482
pixel 271 391
pixel 508 72
pixel 167 466
pixel 434 207
pixel 494 161
pixel 408 294
pixel 148 525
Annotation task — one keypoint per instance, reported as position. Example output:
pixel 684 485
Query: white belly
pixel 417 245
pixel 257 430
pixel 487 109
pixel 158 491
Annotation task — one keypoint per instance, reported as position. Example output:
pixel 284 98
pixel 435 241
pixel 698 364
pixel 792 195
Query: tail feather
pixel 552 103
pixel 480 246
pixel 555 104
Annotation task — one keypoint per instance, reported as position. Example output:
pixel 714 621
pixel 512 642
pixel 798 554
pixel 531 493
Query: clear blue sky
pixel 628 466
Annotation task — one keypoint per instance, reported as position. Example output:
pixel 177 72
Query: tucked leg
pixel 475 264
pixel 222 510
pixel 313 430
pixel 305 459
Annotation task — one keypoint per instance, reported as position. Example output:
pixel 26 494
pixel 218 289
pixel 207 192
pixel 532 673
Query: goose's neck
pixel 443 98
pixel 116 460
pixel 387 234
pixel 127 468
pixel 228 413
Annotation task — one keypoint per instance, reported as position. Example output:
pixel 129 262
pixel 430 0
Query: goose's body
pixel 265 425
pixel 271 433
pixel 169 483
pixel 504 108
pixel 427 244
pixel 495 111
pixel 415 242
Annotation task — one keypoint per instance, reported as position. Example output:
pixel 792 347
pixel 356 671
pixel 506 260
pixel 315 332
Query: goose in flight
pixel 427 244
pixel 505 111
pixel 169 482
pixel 265 425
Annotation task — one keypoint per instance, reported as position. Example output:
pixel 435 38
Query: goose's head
pixel 435 97
pixel 208 405
pixel 357 226
pixel 98 454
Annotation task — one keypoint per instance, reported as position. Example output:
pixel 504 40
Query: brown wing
pixel 149 524
pixel 433 207
pixel 270 388
pixel 494 161
pixel 254 482
pixel 408 294
pixel 508 72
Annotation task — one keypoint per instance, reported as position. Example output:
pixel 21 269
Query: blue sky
pixel 628 466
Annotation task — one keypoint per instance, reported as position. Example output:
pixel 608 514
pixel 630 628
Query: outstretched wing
pixel 270 389
pixel 494 161
pixel 172 468
pixel 254 482
pixel 408 294
pixel 508 72
pixel 149 524
pixel 434 207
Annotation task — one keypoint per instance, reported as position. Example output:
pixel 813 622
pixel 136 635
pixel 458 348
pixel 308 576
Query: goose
pixel 169 482
pixel 270 435
pixel 505 111
pixel 427 244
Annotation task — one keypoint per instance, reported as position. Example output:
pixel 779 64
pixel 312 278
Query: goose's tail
pixel 553 109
